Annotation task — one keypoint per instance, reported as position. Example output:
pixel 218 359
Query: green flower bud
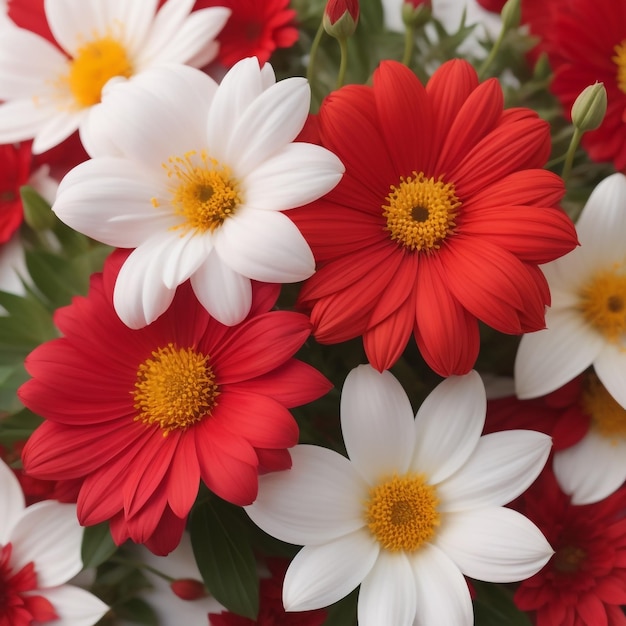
pixel 511 14
pixel 590 107
pixel 340 18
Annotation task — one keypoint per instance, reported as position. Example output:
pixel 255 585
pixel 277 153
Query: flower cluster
pixel 312 313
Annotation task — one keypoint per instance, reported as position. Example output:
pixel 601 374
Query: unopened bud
pixel 416 13
pixel 188 589
pixel 511 14
pixel 590 107
pixel 341 17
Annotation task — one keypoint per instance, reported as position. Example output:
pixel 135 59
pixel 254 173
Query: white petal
pixel 493 544
pixel 22 119
pixel 13 270
pixel 140 296
pixel 274 119
pixel 319 499
pixel 602 224
pixel 224 293
pixel 610 366
pixel 11 501
pixel 503 466
pixel 49 534
pixel 387 594
pixel 442 595
pixel 74 606
pixel 321 575
pixel 265 246
pixel 448 426
pixel 186 253
pixel 57 129
pixel 377 423
pixel 239 88
pixel 108 199
pixel 592 469
pixel 547 359
pixel 297 175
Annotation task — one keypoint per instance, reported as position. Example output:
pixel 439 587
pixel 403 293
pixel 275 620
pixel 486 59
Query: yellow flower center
pixel 95 63
pixel 175 388
pixel 620 60
pixel 603 303
pixel 608 417
pixel 420 212
pixel 401 513
pixel 203 191
pixel 568 559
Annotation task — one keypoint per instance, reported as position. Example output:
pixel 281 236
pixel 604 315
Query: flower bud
pixel 511 14
pixel 416 13
pixel 341 17
pixel 188 589
pixel 590 107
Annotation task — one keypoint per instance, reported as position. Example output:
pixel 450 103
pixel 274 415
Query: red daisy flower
pixel 142 415
pixel 586 42
pixel 584 583
pixel 440 220
pixel 15 169
pixel 254 28
pixel 271 611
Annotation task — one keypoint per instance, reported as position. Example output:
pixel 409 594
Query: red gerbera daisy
pixel 142 415
pixel 586 42
pixel 584 583
pixel 254 28
pixel 440 220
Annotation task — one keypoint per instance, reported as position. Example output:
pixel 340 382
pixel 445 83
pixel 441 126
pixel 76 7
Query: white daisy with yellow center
pixel 197 177
pixel 417 505
pixel 586 323
pixel 48 91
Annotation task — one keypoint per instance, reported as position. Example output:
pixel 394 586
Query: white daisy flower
pixel 196 177
pixel 586 324
pixel 39 551
pixel 416 506
pixel 49 90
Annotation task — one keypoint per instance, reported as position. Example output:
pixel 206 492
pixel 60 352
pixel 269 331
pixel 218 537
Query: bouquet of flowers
pixel 313 312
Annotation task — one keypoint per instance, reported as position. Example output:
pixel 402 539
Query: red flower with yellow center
pixel 142 415
pixel 440 220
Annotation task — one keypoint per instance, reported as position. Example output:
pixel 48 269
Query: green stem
pixel 409 45
pixel 313 53
pixel 482 70
pixel 343 46
pixel 571 151
pixel 140 565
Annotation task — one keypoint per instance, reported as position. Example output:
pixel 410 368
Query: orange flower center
pixel 95 63
pixel 608 417
pixel 568 559
pixel 420 212
pixel 603 303
pixel 620 60
pixel 175 388
pixel 402 513
pixel 203 191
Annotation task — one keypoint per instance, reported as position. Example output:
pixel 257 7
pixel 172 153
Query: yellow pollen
pixel 608 417
pixel 603 303
pixel 620 60
pixel 420 212
pixel 401 513
pixel 175 388
pixel 568 560
pixel 203 191
pixel 95 63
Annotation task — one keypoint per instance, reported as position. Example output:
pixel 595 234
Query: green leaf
pixel 224 556
pixel 37 212
pixel 98 545
pixel 18 427
pixel 137 611
pixel 343 613
pixel 494 606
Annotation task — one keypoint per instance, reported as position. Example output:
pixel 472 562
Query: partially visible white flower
pixel 180 564
pixel 196 177
pixel 49 90
pixel 586 323
pixel 417 505
pixel 40 551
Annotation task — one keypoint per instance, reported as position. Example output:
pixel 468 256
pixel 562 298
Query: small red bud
pixel 341 17
pixel 188 589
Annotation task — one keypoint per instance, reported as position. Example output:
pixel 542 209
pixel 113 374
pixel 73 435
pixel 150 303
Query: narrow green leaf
pixel 224 557
pixel 37 213
pixel 98 545
pixel 494 606
pixel 136 611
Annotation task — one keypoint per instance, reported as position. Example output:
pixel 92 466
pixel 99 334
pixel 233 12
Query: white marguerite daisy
pixel 417 505
pixel 40 551
pixel 196 177
pixel 49 90
pixel 586 323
